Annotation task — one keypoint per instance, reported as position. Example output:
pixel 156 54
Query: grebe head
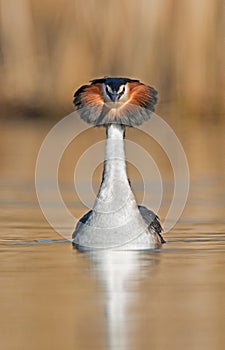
pixel 115 100
pixel 115 91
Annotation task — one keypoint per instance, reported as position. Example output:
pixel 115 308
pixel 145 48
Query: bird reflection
pixel 120 275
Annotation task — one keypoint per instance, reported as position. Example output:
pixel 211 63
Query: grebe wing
pixel 82 221
pixel 152 220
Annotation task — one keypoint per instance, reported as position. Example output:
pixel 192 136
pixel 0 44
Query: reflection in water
pixel 120 274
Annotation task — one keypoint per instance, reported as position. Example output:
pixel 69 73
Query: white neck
pixel 115 220
pixel 115 184
pixel 115 164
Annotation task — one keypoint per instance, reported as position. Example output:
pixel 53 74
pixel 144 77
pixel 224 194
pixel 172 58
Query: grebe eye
pixel 108 89
pixel 121 92
pixel 121 89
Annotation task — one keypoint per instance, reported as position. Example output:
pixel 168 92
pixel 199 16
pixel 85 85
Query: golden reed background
pixel 48 48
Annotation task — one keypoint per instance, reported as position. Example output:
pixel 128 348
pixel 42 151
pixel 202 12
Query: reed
pixel 49 48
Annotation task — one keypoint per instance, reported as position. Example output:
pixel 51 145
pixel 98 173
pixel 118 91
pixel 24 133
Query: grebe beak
pixel 114 96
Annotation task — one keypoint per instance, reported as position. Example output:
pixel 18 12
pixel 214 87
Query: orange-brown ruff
pixel 131 109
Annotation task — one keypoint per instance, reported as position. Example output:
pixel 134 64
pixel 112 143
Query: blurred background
pixel 49 295
pixel 48 49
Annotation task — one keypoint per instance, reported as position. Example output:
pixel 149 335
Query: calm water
pixel 53 297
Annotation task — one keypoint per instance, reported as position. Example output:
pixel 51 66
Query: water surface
pixel 54 297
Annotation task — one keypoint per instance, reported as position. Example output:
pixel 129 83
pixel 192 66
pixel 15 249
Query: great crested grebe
pixel 116 221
